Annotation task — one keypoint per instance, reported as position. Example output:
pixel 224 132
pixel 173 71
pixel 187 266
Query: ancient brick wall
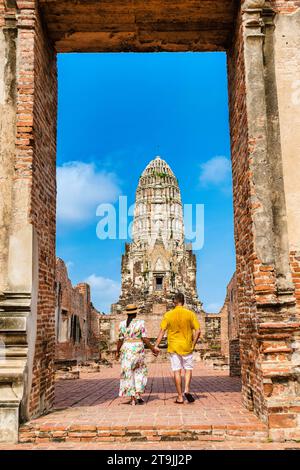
pixel 265 292
pixel 139 26
pixel 213 327
pixel 233 327
pixel 74 302
pixel 241 196
pixel 295 267
pixel 287 67
pixel 224 329
pixel 93 331
pixel 285 6
pixel 233 309
pixel 234 354
pixel 210 327
pixel 35 186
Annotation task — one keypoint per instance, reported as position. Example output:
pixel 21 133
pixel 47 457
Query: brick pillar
pixel 27 215
pixel 269 323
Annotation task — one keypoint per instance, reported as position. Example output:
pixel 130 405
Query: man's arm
pixel 148 343
pixel 196 334
pixel 159 339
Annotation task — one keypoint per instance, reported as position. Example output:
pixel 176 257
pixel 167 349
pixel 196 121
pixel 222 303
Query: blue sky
pixel 116 113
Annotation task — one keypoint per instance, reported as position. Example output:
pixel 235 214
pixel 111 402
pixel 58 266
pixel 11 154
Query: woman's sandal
pixel 179 402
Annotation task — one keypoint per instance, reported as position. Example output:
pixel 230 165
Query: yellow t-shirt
pixel 180 324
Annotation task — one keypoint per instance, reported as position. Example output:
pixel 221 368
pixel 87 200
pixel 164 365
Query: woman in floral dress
pixel 131 350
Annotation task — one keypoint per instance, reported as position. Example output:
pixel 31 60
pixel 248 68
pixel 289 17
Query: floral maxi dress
pixel 133 366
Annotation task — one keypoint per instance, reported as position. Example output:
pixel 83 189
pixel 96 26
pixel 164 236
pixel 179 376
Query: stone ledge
pixel 50 433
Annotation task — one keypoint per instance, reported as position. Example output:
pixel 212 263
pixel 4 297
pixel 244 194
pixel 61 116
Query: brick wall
pixel 94 332
pixel 295 267
pixel 264 295
pixel 241 196
pixel 224 329
pixel 74 302
pixel 233 327
pixel 285 6
pixel 234 354
pixel 34 183
pixel 255 281
pixel 233 309
pixel 213 327
pixel 210 326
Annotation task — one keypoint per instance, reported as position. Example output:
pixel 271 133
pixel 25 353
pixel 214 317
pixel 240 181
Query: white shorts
pixel 181 362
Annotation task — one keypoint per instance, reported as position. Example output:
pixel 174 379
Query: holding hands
pixel 155 351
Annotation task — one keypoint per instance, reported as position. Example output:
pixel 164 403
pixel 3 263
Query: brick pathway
pixel 187 445
pixel 89 409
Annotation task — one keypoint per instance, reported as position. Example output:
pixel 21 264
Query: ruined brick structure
pixel 262 42
pixel 233 327
pixel 213 338
pixel 158 263
pixel 76 319
pixel 230 342
pixel 208 348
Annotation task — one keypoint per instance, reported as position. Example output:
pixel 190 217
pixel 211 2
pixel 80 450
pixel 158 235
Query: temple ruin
pixel 158 263
pixel 262 41
pixel 76 320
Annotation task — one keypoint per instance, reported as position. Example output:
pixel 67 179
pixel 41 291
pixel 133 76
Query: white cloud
pixel 215 171
pixel 104 291
pixel 80 188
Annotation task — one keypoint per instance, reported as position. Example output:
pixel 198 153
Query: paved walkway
pixel 187 446
pixel 89 409
pixel 94 399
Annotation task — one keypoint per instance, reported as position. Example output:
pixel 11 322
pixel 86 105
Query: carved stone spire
pixel 158 209
pixel 158 263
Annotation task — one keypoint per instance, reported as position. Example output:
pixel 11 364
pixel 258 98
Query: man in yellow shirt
pixel 183 330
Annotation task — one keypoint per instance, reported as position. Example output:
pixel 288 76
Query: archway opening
pixel 134 107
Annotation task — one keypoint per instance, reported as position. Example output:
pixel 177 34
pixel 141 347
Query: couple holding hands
pixel 183 331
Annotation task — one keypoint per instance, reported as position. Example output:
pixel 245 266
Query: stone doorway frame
pixel 261 42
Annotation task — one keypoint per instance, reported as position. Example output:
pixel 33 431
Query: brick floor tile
pixel 91 404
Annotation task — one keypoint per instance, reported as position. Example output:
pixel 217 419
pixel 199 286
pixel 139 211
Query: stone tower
pixel 158 263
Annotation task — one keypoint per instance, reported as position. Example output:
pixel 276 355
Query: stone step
pixel 92 433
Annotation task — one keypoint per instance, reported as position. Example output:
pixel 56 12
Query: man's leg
pixel 187 380
pixel 188 367
pixel 177 379
pixel 176 368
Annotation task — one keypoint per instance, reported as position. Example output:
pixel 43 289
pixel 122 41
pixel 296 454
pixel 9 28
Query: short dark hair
pixel 179 298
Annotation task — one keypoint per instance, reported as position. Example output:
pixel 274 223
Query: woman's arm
pixel 147 342
pixel 119 345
